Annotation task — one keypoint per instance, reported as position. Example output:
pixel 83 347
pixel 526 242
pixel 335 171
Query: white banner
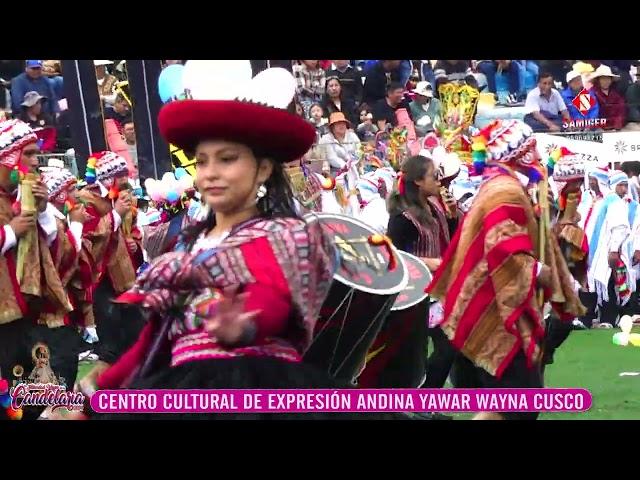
pixel 622 146
pixel 590 151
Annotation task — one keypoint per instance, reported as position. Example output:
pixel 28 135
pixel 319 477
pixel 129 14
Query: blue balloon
pixel 170 82
pixel 172 196
pixel 180 172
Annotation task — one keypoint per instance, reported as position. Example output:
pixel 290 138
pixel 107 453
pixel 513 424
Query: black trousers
pixel 611 311
pixel 465 374
pixel 440 361
pixel 590 301
pixel 14 348
pixel 557 332
pixel 118 326
pixel 634 307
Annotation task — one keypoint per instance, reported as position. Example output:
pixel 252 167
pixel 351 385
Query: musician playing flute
pixel 21 297
pixel 491 272
pixel 114 247
pixel 57 327
pixel 568 174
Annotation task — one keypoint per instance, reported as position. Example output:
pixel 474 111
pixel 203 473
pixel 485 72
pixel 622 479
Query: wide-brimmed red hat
pixel 271 131
pixel 240 109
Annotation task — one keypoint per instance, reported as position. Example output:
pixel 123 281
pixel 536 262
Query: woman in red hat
pixel 234 306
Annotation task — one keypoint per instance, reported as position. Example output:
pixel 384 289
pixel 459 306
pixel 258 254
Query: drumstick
pixel 373 256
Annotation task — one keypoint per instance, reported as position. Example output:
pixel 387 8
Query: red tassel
pixel 378 240
pixel 565 151
pixel 113 193
pixel 562 203
pixel 401 188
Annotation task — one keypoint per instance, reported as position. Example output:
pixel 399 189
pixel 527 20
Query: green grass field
pixel 588 359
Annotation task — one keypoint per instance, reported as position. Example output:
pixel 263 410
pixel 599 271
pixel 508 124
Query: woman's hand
pixel 231 324
pixel 449 201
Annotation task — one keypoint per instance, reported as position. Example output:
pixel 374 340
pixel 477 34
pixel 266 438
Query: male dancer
pixel 491 272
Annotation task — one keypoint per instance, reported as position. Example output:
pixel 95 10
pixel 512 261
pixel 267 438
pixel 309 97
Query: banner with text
pixel 349 400
pixel 622 146
pixel 591 151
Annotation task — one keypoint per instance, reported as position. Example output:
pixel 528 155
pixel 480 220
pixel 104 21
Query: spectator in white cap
pixel 424 108
pixel 574 87
pixel 32 111
pixel 106 82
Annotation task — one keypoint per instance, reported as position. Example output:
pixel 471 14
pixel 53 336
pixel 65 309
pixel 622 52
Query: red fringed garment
pixel 488 277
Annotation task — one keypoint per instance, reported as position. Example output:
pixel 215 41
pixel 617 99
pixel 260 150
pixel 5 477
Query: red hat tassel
pixel 114 193
pixel 379 240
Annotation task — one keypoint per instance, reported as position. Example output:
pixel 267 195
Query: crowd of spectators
pixel 546 89
pixel 366 92
pixel 33 91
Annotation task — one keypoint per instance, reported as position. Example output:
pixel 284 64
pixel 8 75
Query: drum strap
pixel 348 298
pixel 383 311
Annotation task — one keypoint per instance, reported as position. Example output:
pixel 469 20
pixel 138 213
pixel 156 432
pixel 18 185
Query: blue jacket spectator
pixel 574 82
pixel 32 80
pixel 404 70
pixel 378 77
pixel 513 70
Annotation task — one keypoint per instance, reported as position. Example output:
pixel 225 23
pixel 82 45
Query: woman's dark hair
pixel 631 168
pixel 278 202
pixel 326 85
pixel 315 105
pixel 413 169
pixel 327 102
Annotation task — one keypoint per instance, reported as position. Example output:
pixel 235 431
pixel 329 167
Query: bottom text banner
pixel 349 400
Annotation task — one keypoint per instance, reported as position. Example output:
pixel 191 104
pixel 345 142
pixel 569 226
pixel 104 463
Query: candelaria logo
pixel 45 395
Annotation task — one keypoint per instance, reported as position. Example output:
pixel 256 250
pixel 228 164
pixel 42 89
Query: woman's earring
pixel 262 192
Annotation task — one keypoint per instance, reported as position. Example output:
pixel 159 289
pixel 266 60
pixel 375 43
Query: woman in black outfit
pixel 334 101
pixel 418 224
